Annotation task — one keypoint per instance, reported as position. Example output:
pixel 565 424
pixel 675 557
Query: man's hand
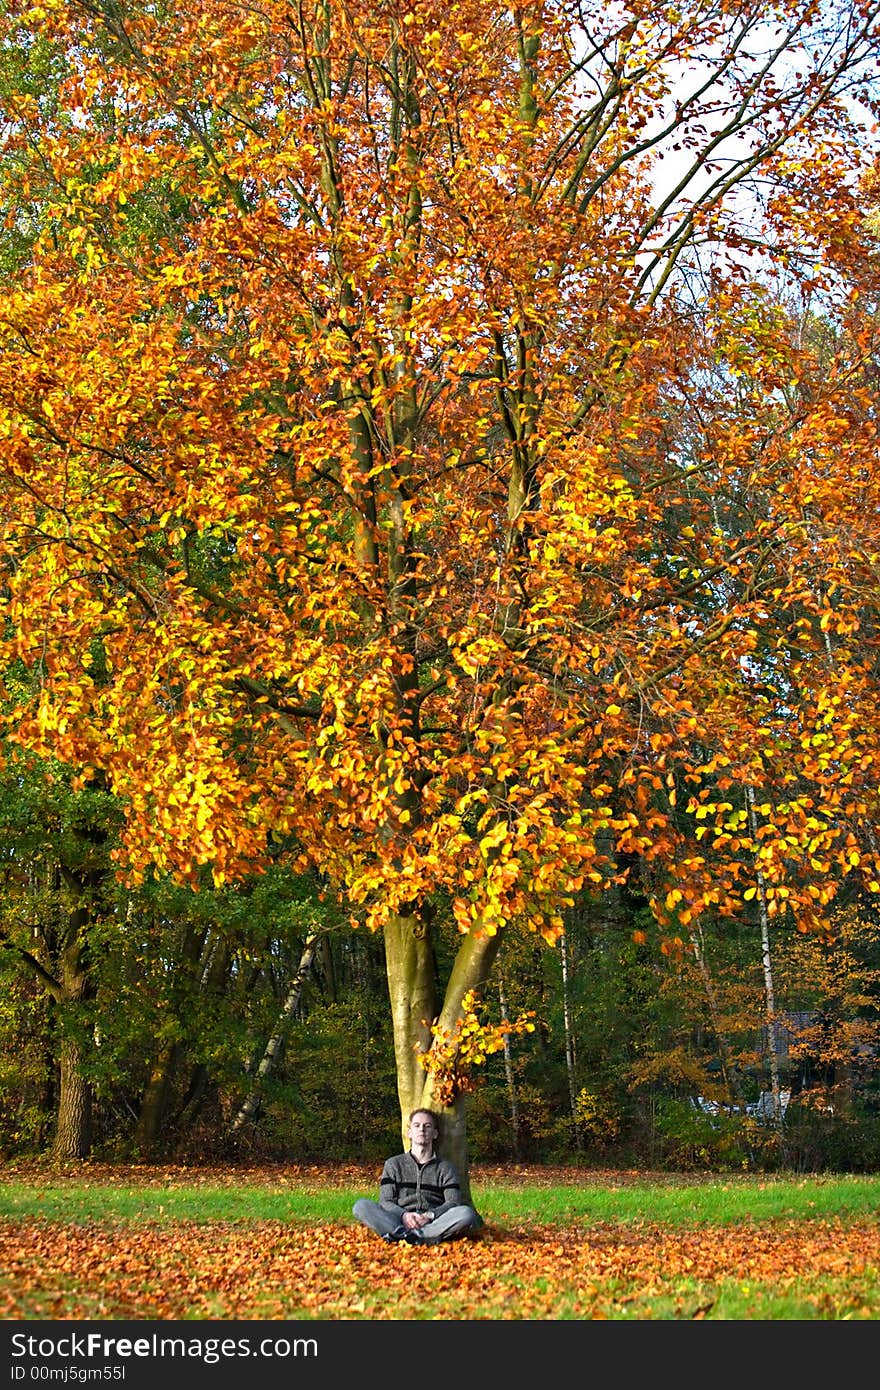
pixel 412 1220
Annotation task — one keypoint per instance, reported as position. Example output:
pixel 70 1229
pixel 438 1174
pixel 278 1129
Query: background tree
pixel 349 400
pixel 57 891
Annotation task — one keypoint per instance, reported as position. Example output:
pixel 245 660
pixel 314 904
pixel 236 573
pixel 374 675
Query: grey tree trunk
pixel 73 1133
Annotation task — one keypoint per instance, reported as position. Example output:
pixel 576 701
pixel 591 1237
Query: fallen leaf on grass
pixel 271 1269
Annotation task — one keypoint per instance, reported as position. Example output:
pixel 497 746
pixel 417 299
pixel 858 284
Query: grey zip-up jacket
pixel 433 1186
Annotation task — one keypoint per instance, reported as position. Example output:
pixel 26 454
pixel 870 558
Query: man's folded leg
pixel 449 1225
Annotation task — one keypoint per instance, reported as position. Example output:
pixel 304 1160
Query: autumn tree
pixel 56 891
pixel 353 384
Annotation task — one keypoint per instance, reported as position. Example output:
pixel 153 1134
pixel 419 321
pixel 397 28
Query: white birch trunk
pixel 770 1003
pixel 251 1103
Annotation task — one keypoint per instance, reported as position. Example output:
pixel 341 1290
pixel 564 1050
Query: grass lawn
pixel 100 1242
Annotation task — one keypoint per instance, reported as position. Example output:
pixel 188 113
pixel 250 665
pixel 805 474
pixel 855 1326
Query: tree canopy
pixel 442 440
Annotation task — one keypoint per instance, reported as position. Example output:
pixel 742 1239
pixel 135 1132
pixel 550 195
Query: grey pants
pixel 388 1223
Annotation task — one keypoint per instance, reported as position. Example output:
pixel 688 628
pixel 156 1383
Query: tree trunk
pixel 73 1134
pixel 734 1090
pixel 412 990
pixel 508 1073
pixel 470 971
pixel 769 997
pixel 251 1104
pixel 328 970
pixel 569 1044
pixel 157 1095
pixel 194 1098
pixel 155 1099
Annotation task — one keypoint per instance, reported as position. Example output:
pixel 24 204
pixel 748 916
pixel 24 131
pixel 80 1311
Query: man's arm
pixel 448 1188
pixel 389 1185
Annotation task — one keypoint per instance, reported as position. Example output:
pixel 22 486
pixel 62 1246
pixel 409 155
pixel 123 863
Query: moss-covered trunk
pixel 414 991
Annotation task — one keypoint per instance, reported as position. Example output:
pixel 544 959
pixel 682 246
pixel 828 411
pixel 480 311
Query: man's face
pixel 422 1130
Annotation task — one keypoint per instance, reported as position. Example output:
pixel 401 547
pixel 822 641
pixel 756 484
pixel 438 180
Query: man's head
pixel 423 1131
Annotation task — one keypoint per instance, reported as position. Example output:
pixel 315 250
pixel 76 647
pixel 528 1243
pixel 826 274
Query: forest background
pixel 440 558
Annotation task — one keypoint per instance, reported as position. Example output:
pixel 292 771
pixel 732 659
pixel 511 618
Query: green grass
pixel 720 1201
pixel 679 1203
pixel 609 1246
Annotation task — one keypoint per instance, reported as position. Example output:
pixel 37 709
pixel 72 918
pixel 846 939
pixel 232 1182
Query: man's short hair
pixel 425 1110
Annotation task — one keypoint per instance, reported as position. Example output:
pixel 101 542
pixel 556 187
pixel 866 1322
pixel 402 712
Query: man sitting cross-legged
pixel 419 1193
